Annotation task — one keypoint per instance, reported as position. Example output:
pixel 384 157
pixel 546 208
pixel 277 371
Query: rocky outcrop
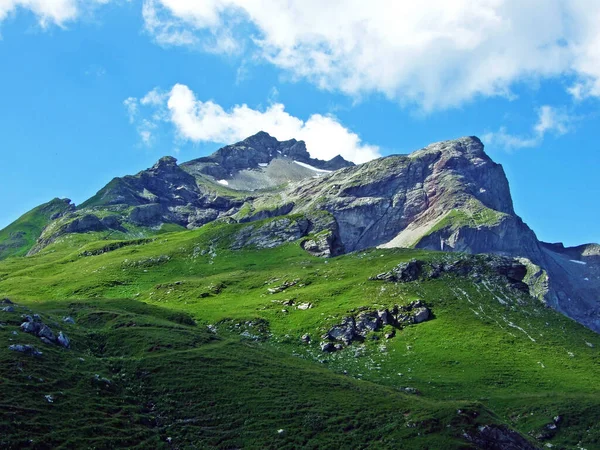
pixel 34 325
pixel 498 437
pixel 356 328
pixel 511 270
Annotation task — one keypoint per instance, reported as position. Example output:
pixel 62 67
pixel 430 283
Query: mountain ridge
pixel 448 196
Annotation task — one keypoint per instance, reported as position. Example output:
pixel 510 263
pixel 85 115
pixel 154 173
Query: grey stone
pixel 31 327
pixel 63 340
pixel 46 332
pixel 421 315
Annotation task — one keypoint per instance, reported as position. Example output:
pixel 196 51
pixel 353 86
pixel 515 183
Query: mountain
pixel 449 196
pixel 261 162
pixel 259 298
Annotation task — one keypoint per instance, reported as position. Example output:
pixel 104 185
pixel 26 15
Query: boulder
pixel 46 332
pixel 421 315
pixel 63 340
pixel 327 347
pixel 68 319
pixel 31 327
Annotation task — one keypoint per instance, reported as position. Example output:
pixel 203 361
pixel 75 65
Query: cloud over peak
pixel 206 121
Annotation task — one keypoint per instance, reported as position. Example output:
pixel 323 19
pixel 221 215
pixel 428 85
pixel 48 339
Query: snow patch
pixel 263 164
pixel 308 166
pixel 224 182
pixel 578 262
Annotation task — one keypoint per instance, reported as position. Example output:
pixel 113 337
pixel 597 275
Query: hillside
pixel 260 298
pixel 20 236
pixel 184 341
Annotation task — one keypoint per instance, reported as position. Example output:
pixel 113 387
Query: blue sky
pixel 98 89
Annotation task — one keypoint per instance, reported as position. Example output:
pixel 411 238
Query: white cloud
pixel 550 120
pixel 57 12
pixel 206 121
pixel 435 53
pixel 131 105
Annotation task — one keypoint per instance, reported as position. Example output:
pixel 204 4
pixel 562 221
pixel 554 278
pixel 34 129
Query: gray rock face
pixel 254 151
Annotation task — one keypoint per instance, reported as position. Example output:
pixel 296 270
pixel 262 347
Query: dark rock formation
pixel 356 328
pixel 498 437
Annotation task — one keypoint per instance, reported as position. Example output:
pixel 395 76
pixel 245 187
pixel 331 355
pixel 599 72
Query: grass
pixel 20 236
pixel 142 313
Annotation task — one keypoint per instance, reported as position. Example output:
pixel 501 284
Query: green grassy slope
pixel 142 311
pixel 18 238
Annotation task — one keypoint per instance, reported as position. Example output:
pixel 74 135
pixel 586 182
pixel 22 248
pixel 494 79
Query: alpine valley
pixel 260 298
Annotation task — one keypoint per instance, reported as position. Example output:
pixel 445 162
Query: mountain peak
pixel 165 162
pixel 248 159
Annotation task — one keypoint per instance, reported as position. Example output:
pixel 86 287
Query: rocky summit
pixel 262 298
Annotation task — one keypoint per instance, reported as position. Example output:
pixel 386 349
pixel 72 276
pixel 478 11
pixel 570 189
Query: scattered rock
pixel 49 398
pixel 8 309
pixel 63 340
pixel 26 349
pixel 68 319
pixel 46 341
pixel 304 306
pixel 6 301
pixel 282 287
pixel 305 338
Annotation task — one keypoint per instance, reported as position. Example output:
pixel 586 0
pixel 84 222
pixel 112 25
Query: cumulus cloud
pixel 206 121
pixel 435 53
pixel 48 12
pixel 551 120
